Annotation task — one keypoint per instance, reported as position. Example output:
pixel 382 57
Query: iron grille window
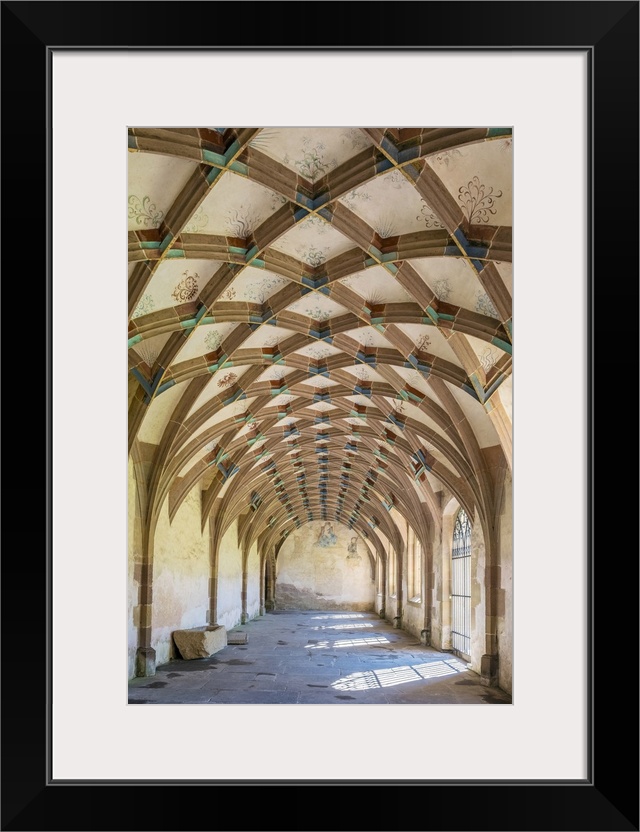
pixel 461 585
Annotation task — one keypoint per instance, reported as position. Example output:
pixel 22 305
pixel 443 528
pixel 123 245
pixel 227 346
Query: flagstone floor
pixel 318 657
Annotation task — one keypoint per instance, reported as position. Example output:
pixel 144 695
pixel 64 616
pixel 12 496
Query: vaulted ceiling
pixel 320 322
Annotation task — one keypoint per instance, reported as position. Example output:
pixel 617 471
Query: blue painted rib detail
pixel 212 158
pixel 239 167
pixel 387 145
pixel 382 165
pixel 460 237
pixel 231 151
pixel 409 153
pixel 166 242
pixel 503 345
pixel 143 381
pixel 166 386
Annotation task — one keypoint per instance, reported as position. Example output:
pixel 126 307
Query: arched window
pixel 461 585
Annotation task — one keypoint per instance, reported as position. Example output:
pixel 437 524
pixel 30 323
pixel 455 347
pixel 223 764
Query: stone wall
pixel 180 575
pixel 505 593
pixel 253 583
pixel 229 579
pixel 133 555
pixel 324 571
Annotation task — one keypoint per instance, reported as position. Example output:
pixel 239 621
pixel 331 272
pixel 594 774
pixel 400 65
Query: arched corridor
pixel 320 357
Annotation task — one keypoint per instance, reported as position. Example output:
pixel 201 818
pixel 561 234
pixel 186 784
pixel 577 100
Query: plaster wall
pixel 134 554
pixel 180 575
pixel 319 572
pixel 505 592
pixel 229 579
pixel 440 577
pixel 413 618
pixel 253 582
pixel 478 594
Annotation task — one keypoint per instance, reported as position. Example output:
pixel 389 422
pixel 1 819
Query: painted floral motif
pixel 442 288
pixel 485 307
pixel 312 256
pixel 277 200
pixel 424 342
pixel 260 291
pixel 349 282
pixel 354 137
pixel 242 222
pixel 227 379
pixel 319 352
pixel 394 179
pixel 318 314
pixel 196 223
pixel 321 382
pixel 144 211
pixel 478 201
pixel 145 305
pixel 313 164
pixel 362 373
pixel 187 288
pixel 212 340
pixel 448 156
pixel 428 217
pixel 354 195
pixel 487 359
pixel 271 341
pixel 317 223
pixel 365 339
pixel 398 405
pixel 228 294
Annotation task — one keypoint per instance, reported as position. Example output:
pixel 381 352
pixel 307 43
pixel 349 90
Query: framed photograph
pixel 562 80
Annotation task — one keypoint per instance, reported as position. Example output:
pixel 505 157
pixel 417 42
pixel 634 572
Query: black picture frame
pixel 608 798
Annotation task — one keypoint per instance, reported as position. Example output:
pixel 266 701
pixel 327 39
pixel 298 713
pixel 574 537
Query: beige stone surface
pixel 229 579
pixel 200 642
pixel 181 575
pixel 318 571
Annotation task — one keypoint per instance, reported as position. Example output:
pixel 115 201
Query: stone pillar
pixel 244 615
pixel 142 616
pixel 400 573
pixel 145 661
pixel 212 612
pixel 489 670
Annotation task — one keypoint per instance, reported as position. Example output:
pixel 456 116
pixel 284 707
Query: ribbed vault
pixel 319 325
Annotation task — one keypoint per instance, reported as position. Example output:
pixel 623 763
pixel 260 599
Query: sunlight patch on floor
pixel 341 626
pixel 391 676
pixel 347 642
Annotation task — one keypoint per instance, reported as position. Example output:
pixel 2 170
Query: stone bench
pixel 200 642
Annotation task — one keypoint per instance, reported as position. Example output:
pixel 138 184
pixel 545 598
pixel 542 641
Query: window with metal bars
pixel 461 585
